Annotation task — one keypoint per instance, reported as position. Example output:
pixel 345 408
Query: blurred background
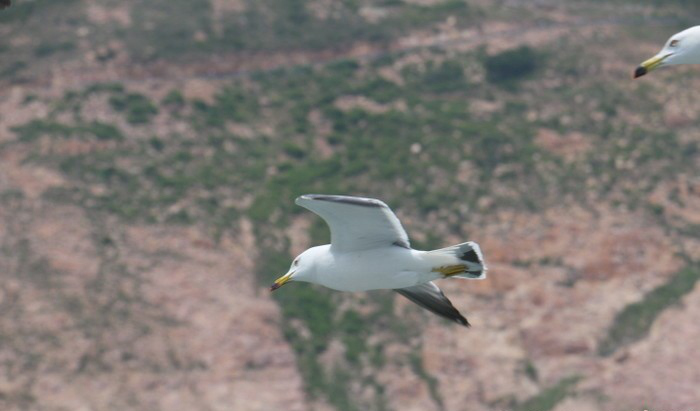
pixel 151 150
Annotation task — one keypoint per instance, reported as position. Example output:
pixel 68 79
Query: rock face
pixel 552 314
pixel 668 355
pixel 100 315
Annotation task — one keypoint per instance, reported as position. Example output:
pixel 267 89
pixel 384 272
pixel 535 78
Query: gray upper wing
pixel 430 297
pixel 357 223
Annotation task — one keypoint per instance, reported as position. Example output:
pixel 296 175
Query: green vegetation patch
pixel 683 5
pixel 13 68
pixel 355 331
pixel 174 99
pixel 511 66
pixel 22 10
pixel 168 28
pixel 231 104
pixel 634 321
pixel 548 398
pixel 172 28
pixel 49 48
pixel 416 361
pixel 52 24
pixel 93 130
pixel 138 108
pixel 445 77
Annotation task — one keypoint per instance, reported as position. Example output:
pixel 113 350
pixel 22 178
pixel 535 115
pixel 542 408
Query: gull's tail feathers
pixel 461 261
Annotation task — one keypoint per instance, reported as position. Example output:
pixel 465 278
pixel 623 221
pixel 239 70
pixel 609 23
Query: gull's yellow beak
pixel 281 281
pixel 649 65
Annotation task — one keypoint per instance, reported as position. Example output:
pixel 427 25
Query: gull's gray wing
pixel 430 297
pixel 357 223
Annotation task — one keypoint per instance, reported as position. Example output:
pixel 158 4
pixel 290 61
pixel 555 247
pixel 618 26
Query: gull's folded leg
pixel 450 270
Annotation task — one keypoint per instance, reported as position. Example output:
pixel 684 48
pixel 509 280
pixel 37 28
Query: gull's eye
pixel 674 43
pixel 295 263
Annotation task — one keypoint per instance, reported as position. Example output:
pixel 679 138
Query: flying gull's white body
pixel 378 268
pixel 370 250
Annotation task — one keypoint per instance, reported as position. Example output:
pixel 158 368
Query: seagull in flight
pixel 369 250
pixel 681 48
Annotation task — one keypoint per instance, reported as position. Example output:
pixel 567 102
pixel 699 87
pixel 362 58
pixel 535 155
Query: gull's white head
pixel 303 268
pixel 681 48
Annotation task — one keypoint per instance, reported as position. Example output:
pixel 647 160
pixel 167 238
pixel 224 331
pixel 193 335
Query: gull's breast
pixel 382 268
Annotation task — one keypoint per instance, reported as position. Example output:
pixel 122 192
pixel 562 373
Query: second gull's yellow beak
pixel 281 281
pixel 650 65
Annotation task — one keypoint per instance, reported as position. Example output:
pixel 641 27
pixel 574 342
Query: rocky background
pixel 151 150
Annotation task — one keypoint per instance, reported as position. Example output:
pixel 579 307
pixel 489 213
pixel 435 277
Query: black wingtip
pixel 430 297
pixel 462 321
